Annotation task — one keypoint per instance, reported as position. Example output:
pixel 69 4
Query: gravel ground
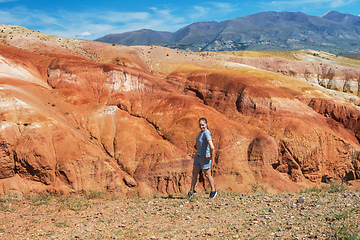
pixel 310 215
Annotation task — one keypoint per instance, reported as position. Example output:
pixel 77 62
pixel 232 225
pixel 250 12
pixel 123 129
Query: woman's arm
pixel 212 149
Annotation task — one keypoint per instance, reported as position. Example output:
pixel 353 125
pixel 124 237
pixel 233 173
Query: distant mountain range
pixel 333 32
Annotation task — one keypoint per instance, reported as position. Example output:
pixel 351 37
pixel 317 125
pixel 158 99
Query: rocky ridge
pixel 333 32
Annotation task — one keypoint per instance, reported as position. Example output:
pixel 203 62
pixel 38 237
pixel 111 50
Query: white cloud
pixel 308 4
pixel 85 34
pixel 225 8
pixel 95 23
pixel 212 10
pixel 24 17
pixel 340 3
pixel 123 17
pixel 166 15
pixel 8 18
pixel 199 12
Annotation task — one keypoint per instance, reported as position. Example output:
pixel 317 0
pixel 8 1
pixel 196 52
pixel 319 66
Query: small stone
pixel 328 219
pixel 300 200
pixel 211 231
pixel 312 236
pixel 271 210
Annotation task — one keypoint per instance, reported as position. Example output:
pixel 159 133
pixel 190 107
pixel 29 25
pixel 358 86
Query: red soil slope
pixel 79 115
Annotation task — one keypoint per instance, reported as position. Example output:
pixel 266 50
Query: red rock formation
pixel 128 123
pixel 307 142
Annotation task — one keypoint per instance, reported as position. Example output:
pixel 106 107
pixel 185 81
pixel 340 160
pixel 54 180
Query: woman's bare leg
pixel 207 173
pixel 195 174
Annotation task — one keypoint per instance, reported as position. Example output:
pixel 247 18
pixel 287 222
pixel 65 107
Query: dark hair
pixel 204 119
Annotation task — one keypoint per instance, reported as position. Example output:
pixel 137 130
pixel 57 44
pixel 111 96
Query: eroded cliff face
pixel 91 116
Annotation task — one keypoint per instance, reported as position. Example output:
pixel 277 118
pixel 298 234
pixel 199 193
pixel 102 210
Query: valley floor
pixel 310 215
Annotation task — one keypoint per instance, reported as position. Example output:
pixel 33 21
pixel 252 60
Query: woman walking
pixel 203 158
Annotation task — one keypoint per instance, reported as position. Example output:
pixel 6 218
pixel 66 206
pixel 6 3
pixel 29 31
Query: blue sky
pixel 93 19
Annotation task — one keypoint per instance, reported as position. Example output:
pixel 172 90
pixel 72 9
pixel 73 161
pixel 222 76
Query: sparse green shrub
pixel 312 190
pixel 345 214
pixel 258 187
pixel 102 195
pixel 4 207
pixel 336 187
pixel 332 187
pixel 6 202
pixel 95 195
pixel 346 231
pixel 61 224
pixel 74 203
pixel 41 198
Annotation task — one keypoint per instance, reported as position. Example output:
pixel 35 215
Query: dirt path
pixel 311 215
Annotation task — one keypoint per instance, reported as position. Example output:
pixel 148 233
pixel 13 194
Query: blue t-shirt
pixel 202 144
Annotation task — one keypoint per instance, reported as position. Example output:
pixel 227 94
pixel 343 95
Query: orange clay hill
pixel 79 115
